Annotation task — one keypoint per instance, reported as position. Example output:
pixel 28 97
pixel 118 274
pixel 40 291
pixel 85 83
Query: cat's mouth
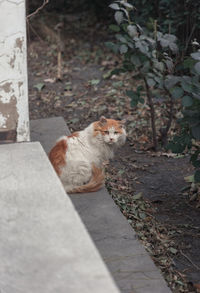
pixel 110 142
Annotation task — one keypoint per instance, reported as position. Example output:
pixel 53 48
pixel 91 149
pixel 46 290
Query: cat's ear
pixel 102 120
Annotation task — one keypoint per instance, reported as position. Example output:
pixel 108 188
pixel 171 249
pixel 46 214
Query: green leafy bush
pixel 180 17
pixel 158 62
pixel 189 136
pixel 149 54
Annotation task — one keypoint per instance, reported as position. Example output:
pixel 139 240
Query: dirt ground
pixel 148 187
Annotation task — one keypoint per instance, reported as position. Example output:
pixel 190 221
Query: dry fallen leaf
pixel 50 80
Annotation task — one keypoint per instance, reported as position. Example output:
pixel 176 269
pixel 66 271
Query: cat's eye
pixel 106 132
pixel 115 132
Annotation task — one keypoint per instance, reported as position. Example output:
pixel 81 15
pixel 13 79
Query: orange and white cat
pixel 78 158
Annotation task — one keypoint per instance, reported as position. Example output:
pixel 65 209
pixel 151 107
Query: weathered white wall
pixel 13 69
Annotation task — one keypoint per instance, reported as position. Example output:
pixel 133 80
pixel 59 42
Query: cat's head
pixel 110 131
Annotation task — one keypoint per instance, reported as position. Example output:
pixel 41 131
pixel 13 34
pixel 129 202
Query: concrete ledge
pixel 47 131
pixel 44 246
pixel 129 263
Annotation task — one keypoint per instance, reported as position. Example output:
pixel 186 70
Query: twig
pixel 188 40
pixel 59 66
pixel 164 132
pixel 34 31
pixel 60 49
pixel 45 2
pixel 197 267
pixel 152 111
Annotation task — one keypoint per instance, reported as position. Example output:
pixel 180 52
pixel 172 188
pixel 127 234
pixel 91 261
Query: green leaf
pixel 134 103
pixel 177 92
pixel 140 88
pixel 39 86
pixel 196 56
pixel 109 45
pixel 142 46
pixel 187 87
pixel 137 196
pixel 173 47
pixel 119 17
pixel 118 71
pixel 176 148
pixel 196 164
pixel 171 81
pixel 118 84
pixel 142 215
pixel 68 86
pixel 107 74
pixel 170 37
pixel 151 82
pixel 127 5
pixel 197 176
pixel 196 131
pixel 197 67
pixel 114 28
pixel 187 101
pixel 132 94
pixel 132 31
pixel 123 49
pixel 188 63
pixel 173 250
pixel 194 156
pixel 120 172
pixel 189 179
pixel 159 65
pixel 112 46
pixel 130 45
pixel 121 38
pixel 146 67
pixel 114 6
pixel 94 81
pixel 141 100
pixel 135 60
pixel 75 120
pixel 134 97
pixel 169 65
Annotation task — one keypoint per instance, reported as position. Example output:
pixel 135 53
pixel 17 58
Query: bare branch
pixel 152 111
pixel 45 2
pixel 196 266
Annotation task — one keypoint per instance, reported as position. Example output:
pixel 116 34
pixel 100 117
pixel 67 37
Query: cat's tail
pixel 95 183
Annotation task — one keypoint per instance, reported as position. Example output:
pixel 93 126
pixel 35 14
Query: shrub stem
pixel 152 111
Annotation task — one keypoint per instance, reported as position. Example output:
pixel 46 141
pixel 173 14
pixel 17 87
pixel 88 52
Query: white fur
pixel 84 150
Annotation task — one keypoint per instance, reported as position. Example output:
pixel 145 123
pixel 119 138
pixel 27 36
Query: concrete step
pixel 129 263
pixel 44 245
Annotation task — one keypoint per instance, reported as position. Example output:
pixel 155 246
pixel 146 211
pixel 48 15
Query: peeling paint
pixel 6 87
pixel 13 74
pixel 6 90
pixel 19 43
pixel 9 110
pixel 3 120
pixel 12 61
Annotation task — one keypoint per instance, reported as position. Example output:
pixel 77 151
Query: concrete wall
pixel 14 118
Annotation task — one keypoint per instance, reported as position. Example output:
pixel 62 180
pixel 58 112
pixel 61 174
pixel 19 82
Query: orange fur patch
pixel 74 134
pixel 101 128
pixel 57 155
